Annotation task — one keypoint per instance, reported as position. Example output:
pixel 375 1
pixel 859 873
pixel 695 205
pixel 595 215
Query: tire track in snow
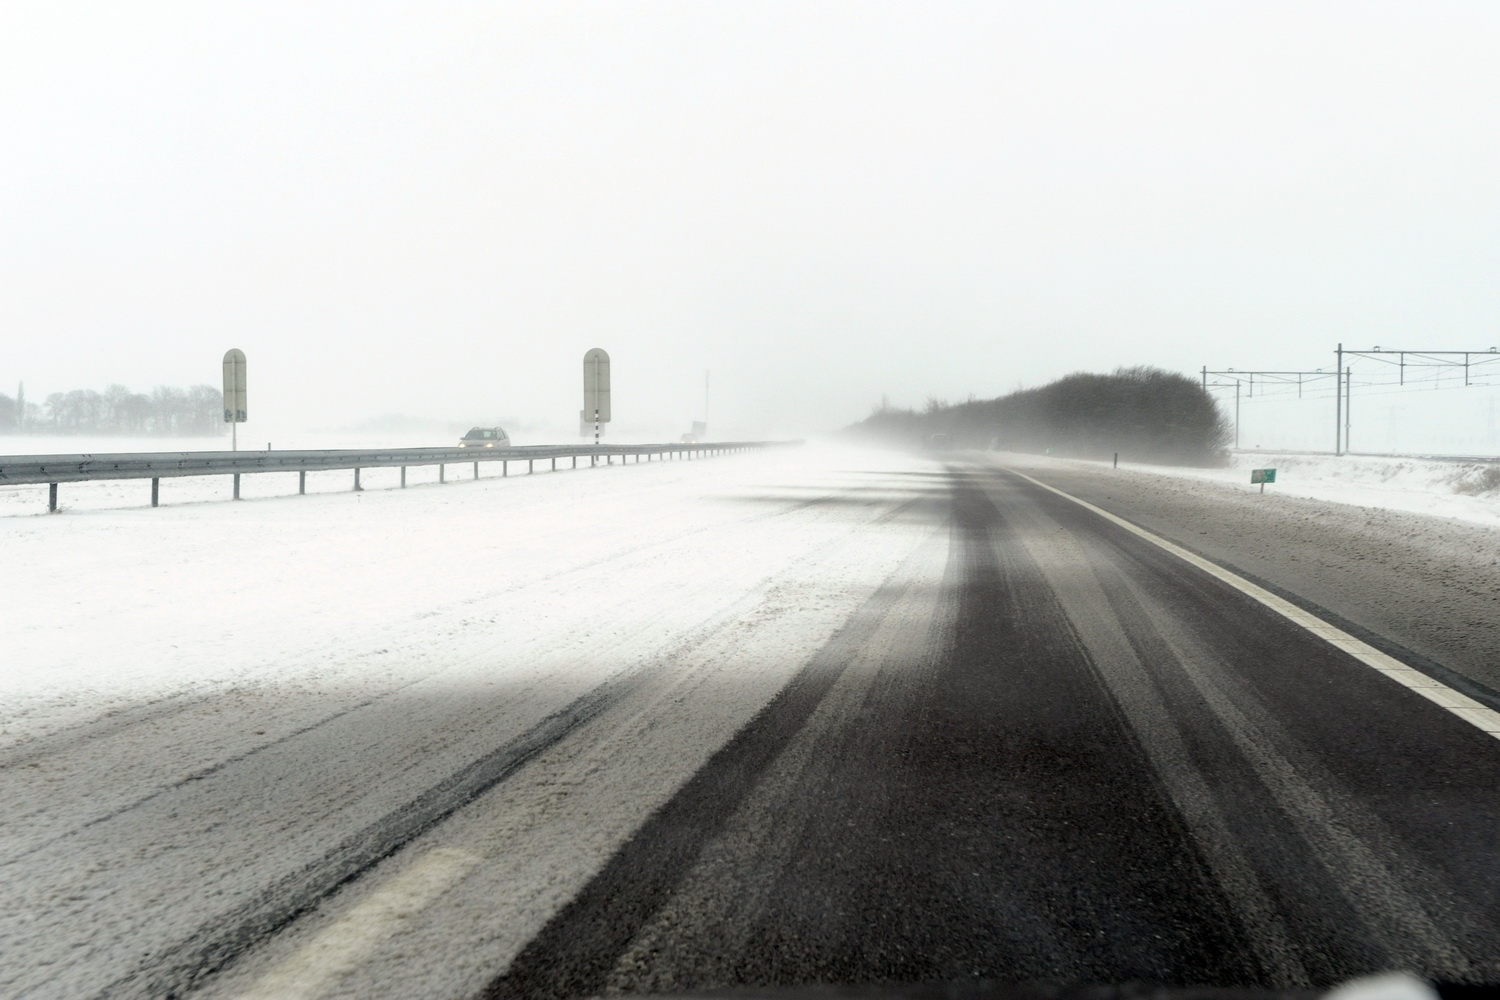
pixel 191 962
pixel 84 737
pixel 575 952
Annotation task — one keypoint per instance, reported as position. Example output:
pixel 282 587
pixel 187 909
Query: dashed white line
pixel 338 949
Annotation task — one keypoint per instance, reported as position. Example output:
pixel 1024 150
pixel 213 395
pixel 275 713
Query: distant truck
pixel 485 437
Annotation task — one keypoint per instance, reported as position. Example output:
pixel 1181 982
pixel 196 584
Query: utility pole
pixel 1236 415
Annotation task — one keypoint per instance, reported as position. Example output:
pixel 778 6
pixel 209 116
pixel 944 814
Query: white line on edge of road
pixel 1435 691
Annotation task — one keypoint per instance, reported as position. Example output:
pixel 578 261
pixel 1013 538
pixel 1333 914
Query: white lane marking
pixel 1437 692
pixel 338 949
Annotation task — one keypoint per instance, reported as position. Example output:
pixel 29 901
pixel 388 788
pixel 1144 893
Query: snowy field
pixel 1468 491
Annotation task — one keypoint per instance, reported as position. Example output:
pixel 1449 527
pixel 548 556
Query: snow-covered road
pixel 216 713
pixel 798 716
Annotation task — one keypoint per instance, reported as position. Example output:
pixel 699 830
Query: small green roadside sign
pixel 1262 476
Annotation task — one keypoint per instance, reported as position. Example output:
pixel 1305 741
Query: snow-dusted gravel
pixel 1429 583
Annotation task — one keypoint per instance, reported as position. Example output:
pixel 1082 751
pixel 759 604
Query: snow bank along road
pixel 772 719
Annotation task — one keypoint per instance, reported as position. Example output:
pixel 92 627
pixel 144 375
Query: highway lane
pixel 1102 765
pixel 1420 587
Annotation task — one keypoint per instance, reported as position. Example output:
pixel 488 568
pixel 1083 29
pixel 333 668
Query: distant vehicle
pixel 485 437
pixel 688 439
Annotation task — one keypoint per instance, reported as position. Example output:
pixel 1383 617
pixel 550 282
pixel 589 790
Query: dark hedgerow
pixel 1145 414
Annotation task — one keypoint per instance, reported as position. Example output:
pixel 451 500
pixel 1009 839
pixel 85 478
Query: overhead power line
pixel 1376 371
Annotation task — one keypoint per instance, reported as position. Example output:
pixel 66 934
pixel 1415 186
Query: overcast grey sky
pixel 436 208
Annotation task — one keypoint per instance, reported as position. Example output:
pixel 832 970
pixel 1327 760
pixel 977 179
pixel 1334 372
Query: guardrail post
pixel 357 487
pixel 476 468
pixel 530 466
pixel 236 485
pixel 302 482
pixel 554 464
pixel 403 477
pixel 504 468
pixel 441 472
pixel 155 490
pixel 575 461
pixel 52 498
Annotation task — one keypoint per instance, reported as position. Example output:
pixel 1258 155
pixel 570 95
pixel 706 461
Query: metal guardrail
pixel 20 470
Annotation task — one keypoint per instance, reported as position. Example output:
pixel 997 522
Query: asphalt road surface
pixel 1093 764
pixel 1040 747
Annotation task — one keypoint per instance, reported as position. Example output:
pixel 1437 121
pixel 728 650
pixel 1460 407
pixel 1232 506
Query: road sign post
pixel 596 392
pixel 234 394
pixel 1262 476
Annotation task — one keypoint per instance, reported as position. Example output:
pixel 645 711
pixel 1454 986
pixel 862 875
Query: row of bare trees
pixel 166 410
pixel 1144 414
